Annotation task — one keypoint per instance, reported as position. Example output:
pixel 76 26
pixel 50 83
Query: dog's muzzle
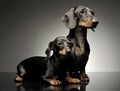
pixel 68 50
pixel 94 25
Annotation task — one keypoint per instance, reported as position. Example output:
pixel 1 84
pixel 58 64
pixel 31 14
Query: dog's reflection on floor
pixel 36 86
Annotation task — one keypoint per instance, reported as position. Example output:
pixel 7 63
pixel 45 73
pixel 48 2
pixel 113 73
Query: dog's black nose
pixel 94 24
pixel 68 50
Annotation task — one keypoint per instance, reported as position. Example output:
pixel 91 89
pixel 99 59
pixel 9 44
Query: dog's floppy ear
pixel 49 49
pixel 69 19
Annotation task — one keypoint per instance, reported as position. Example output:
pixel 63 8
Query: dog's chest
pixel 79 51
pixel 80 48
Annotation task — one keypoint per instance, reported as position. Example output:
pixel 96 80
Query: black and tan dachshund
pixel 49 69
pixel 78 20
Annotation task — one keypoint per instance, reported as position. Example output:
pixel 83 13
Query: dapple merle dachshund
pixel 78 20
pixel 49 69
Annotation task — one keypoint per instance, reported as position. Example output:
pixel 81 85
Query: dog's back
pixel 32 68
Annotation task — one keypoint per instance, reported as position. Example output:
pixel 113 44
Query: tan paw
pixel 84 77
pixel 55 82
pixel 18 78
pixel 72 80
pixel 54 88
pixel 19 84
pixel 72 86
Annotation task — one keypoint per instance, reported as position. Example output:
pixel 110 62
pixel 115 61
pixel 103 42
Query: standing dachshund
pixel 46 69
pixel 78 20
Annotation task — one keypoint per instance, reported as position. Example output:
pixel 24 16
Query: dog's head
pixel 80 16
pixel 60 46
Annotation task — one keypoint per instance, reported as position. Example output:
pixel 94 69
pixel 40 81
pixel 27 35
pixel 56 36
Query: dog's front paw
pixel 72 80
pixel 55 82
pixel 84 77
pixel 18 78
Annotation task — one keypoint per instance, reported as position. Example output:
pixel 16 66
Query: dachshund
pixel 78 20
pixel 46 69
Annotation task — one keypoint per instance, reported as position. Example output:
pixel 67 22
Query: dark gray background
pixel 27 26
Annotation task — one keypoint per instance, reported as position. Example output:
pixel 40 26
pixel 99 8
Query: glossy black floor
pixel 99 81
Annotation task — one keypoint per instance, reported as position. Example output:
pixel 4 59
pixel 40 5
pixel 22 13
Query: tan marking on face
pixel 62 52
pixel 86 23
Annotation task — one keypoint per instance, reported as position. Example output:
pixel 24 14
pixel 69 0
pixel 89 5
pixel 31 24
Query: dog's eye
pixel 70 44
pixel 82 11
pixel 59 43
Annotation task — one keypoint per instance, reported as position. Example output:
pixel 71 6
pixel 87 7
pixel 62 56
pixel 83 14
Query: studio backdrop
pixel 27 26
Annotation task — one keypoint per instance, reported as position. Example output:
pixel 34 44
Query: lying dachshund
pixel 49 69
pixel 78 20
